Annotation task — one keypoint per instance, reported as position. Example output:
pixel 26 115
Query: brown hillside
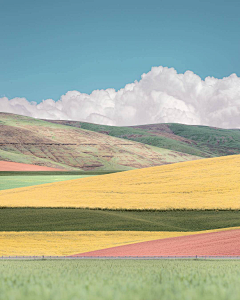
pixel 28 140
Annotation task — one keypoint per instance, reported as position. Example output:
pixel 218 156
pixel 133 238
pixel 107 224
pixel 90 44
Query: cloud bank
pixel 161 96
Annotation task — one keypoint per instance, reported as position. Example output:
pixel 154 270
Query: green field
pixel 119 280
pixel 61 219
pixel 11 180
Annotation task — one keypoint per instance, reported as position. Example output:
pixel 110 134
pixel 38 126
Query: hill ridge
pixel 33 141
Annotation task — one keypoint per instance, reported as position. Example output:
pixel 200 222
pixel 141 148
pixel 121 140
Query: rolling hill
pixel 211 183
pixel 202 141
pixel 32 141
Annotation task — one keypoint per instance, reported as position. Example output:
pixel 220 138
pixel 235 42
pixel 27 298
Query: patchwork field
pixel 71 242
pixel 221 243
pixel 173 209
pixel 35 243
pixel 122 280
pixel 204 184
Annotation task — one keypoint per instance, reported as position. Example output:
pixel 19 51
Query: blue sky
pixel 50 47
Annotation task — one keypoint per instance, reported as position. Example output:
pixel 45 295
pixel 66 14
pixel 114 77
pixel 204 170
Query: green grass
pixel 119 280
pixel 61 219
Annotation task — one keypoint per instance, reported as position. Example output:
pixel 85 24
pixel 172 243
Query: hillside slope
pixel 203 184
pixel 32 141
pixel 196 140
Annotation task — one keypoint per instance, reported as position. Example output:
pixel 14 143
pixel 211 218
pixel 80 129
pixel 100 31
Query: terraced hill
pixel 32 141
pixel 196 140
pixel 211 183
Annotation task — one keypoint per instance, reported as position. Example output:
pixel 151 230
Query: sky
pixel 90 57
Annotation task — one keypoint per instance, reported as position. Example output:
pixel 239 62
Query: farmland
pixel 210 243
pixel 14 166
pixel 16 179
pixel 211 183
pixel 12 182
pixel 62 243
pixel 187 208
pixel 122 280
pixel 72 242
pixel 71 219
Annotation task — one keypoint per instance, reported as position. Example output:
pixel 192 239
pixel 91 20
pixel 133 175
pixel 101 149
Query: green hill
pixel 195 140
pixel 214 141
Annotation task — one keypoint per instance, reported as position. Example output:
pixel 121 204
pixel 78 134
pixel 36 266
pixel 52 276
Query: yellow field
pixel 73 242
pixel 203 184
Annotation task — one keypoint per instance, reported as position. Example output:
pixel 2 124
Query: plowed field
pixel 13 166
pixel 71 242
pixel 220 243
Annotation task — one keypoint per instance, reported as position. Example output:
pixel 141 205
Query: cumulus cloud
pixel 161 96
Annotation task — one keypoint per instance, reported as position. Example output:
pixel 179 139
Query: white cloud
pixel 162 95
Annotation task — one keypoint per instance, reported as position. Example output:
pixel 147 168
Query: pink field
pixel 12 166
pixel 207 244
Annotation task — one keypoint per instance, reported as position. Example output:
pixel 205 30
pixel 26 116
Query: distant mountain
pixel 195 140
pixel 56 144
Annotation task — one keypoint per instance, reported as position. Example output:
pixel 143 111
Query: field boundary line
pixel 43 257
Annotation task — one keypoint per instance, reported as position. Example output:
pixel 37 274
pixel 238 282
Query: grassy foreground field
pixel 120 280
pixel 61 219
pixel 203 184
